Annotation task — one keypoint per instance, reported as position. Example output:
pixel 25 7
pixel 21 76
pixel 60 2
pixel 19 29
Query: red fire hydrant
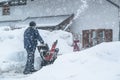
pixel 75 45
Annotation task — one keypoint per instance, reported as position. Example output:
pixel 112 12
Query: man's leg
pixel 30 61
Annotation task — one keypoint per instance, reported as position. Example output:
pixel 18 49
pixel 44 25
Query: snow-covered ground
pixel 101 62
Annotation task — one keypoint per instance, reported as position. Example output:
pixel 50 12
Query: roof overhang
pixel 43 22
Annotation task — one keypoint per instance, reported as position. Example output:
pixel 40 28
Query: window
pixel 13 2
pixel 96 36
pixel 101 36
pixel 6 10
pixel 18 2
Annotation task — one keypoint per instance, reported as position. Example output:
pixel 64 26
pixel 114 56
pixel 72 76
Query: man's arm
pixel 39 37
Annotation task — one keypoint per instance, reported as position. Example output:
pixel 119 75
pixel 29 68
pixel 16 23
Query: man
pixel 31 35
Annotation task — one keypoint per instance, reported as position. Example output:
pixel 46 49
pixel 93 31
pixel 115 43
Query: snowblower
pixel 48 55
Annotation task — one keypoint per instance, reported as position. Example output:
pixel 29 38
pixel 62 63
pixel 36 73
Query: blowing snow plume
pixel 81 9
pixel 78 12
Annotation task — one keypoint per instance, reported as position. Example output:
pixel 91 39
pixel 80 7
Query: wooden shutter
pixel 85 38
pixel 108 35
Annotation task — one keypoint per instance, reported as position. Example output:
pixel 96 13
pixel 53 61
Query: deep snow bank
pixel 101 62
pixel 106 50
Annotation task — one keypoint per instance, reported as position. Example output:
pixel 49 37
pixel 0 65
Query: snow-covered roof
pixel 43 21
pixel 47 20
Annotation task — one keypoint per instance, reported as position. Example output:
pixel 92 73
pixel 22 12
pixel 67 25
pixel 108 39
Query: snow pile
pixel 85 65
pixel 64 40
pixel 13 54
pixel 106 51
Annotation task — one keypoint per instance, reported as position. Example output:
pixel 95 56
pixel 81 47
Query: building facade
pixel 93 18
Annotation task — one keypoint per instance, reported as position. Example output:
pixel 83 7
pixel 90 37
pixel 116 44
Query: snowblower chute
pixel 48 55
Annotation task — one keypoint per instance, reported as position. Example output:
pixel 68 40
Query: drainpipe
pixel 117 6
pixel 119 20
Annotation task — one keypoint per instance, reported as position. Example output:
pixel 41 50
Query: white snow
pixel 4 0
pixel 101 62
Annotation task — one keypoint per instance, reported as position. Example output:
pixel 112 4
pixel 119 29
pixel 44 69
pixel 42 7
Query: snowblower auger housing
pixel 48 55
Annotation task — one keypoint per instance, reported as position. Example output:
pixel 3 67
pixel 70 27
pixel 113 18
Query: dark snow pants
pixel 30 60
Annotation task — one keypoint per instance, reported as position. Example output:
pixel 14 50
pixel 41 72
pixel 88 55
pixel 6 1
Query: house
pixel 95 21
pixel 10 18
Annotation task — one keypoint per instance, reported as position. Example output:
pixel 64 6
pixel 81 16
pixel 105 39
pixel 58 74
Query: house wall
pixel 93 15
pixel 99 15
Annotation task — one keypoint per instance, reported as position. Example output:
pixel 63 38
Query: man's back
pixel 30 37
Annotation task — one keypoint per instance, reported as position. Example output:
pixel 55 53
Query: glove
pixel 42 42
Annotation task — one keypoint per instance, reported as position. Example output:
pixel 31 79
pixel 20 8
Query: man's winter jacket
pixel 31 35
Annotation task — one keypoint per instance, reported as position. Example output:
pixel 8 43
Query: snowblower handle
pixel 43 46
pixel 51 51
pixel 55 42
